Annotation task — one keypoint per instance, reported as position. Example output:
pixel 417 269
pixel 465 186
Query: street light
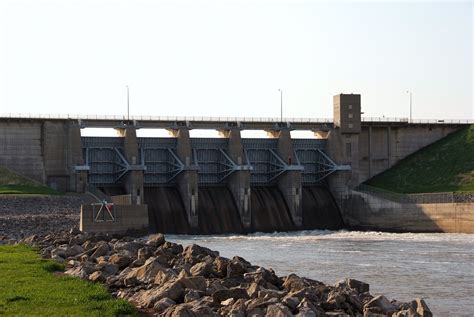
pixel 409 92
pixel 281 104
pixel 128 104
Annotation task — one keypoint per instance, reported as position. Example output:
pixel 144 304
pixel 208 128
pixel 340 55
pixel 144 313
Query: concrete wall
pixel 366 212
pixel 21 148
pixel 127 218
pixel 382 146
pixel 45 151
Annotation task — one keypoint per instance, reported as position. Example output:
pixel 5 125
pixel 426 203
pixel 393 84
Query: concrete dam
pixel 218 185
pixel 182 184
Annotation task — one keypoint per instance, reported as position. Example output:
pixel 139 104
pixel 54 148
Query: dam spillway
pixel 218 213
pixel 320 210
pixel 217 185
pixel 269 210
pixel 166 211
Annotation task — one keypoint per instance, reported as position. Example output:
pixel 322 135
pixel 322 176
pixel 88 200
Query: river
pixel 436 267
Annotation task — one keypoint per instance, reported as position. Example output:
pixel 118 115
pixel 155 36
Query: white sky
pixel 228 58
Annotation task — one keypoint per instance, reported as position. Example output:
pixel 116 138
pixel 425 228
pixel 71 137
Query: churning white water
pixel 437 267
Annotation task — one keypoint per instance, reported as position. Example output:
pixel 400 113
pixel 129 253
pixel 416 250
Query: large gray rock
pixel 101 248
pixel 144 253
pixel 291 302
pixel 356 285
pixel 278 310
pixel 194 282
pixel 173 290
pixel 236 268
pixel 163 304
pixel 422 309
pixel 201 269
pixel 306 312
pixel 192 295
pixel 195 250
pixel 234 293
pixel 97 276
pixel 147 272
pixel 121 261
pixel 78 272
pixel 130 248
pixel 155 240
pixel 59 251
pixel 379 305
pixel 74 250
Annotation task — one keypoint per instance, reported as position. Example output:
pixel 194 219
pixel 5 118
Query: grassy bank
pixel 29 287
pixel 444 166
pixel 15 184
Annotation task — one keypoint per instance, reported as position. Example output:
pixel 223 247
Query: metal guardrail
pixel 422 198
pixel 224 119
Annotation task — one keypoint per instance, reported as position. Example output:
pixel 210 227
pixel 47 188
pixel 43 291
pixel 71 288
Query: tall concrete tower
pixel 347 112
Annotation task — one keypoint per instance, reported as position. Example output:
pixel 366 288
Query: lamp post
pixel 128 104
pixel 409 92
pixel 281 104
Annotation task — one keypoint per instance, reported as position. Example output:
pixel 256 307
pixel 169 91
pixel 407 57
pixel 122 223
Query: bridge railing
pixel 160 118
pixel 421 198
pixel 224 119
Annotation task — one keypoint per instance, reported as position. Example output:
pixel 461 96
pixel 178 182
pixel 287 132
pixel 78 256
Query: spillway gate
pixel 160 162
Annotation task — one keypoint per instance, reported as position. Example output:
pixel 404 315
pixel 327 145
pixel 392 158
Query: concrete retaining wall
pixel 21 148
pixel 127 218
pixel 367 212
pixel 381 147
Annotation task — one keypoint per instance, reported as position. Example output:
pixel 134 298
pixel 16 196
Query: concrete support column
pixel 369 142
pixel 341 182
pixel 188 179
pixel 75 159
pixel 389 144
pixel 54 151
pixel 290 182
pixel 134 178
pixel 239 181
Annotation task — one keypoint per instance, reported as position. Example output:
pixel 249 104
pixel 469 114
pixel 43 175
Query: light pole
pixel 281 104
pixel 128 104
pixel 409 92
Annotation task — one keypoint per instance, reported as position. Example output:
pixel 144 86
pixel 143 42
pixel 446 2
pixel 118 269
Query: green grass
pixel 444 166
pixel 14 184
pixel 28 287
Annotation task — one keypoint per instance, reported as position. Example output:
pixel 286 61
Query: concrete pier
pixel 188 180
pixel 239 181
pixel 289 182
pixel 134 177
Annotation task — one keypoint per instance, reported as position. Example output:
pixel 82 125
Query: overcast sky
pixel 229 58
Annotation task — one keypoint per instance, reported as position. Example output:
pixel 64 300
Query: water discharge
pixel 217 211
pixel 320 210
pixel 269 210
pixel 166 210
pixel 437 267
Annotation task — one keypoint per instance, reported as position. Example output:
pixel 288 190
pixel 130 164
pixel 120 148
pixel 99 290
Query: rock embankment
pixel 464 197
pixel 166 279
pixel 21 217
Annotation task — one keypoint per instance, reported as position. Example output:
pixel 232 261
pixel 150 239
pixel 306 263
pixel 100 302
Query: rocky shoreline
pixel 162 278
pixel 21 217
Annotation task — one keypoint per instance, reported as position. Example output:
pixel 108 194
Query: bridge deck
pixel 246 123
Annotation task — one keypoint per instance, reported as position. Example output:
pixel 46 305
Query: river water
pixel 436 267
